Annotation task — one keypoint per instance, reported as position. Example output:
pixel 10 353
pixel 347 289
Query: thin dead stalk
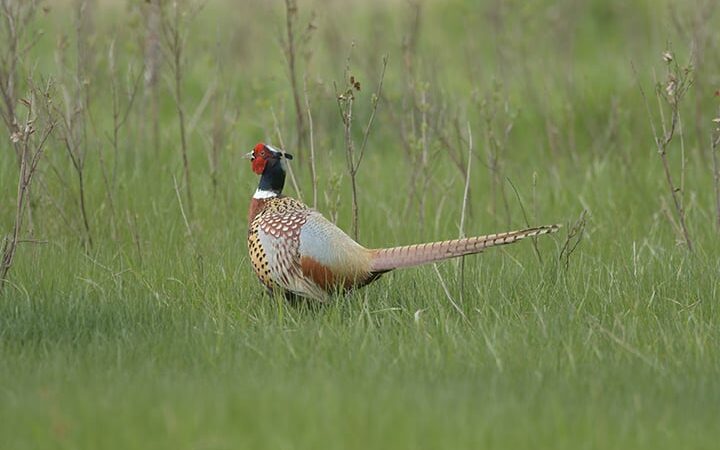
pixel 573 239
pixel 466 195
pixel 188 228
pixel 670 93
pixel 16 17
pixel 152 60
pixel 120 116
pixel 345 102
pixel 218 130
pixel 714 148
pixel 447 294
pixel 175 28
pixel 294 182
pixel 466 191
pixel 313 172
pixel 31 152
pixel 499 122
pixel 134 230
pixel 291 15
pixel 75 112
pixel 119 119
pixel 525 216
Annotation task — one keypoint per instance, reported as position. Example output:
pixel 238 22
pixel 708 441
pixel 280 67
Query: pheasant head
pixel 269 162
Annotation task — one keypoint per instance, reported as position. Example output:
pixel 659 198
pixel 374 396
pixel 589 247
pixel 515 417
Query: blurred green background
pixel 131 317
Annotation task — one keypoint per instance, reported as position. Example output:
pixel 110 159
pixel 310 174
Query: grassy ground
pixel 157 337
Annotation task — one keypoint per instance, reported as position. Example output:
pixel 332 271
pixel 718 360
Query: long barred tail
pixel 386 259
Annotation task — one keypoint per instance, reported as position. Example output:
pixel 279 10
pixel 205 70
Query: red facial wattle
pixel 258 164
pixel 259 161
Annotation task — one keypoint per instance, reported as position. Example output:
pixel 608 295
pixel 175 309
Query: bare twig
pixel 714 146
pixel 16 17
pixel 182 210
pixel 466 191
pixel 298 192
pixel 218 131
pixel 175 28
pixel 374 100
pixel 133 226
pixel 152 58
pixel 466 195
pixel 31 152
pixel 499 122
pixel 527 222
pixel 119 119
pixel 345 101
pixel 313 173
pixel 291 16
pixel 696 25
pixel 447 294
pixel 671 92
pixel 74 115
pixel 573 239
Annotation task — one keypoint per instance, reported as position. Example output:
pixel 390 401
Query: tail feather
pixel 386 259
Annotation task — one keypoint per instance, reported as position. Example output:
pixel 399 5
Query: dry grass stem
pixel 345 101
pixel 714 148
pixel 152 59
pixel 75 114
pixel 574 237
pixel 32 149
pixel 119 116
pixel 291 18
pixel 175 29
pixel 294 182
pixel 15 20
pixel 499 122
pixel 448 295
pixel 466 190
pixel 466 195
pixel 669 94
pixel 313 173
pixel 527 221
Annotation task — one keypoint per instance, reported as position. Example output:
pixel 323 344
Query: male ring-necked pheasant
pixel 297 251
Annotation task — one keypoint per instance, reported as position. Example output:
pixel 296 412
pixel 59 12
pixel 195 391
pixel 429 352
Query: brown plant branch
pixel 152 60
pixel 313 172
pixel 574 237
pixel 345 101
pixel 527 221
pixel 74 114
pixel 670 94
pixel 291 17
pixel 175 28
pixel 16 16
pixel 294 182
pixel 31 152
pixel 466 196
pixel 714 148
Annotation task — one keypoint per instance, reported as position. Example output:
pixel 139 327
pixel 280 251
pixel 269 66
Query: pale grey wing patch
pixel 327 244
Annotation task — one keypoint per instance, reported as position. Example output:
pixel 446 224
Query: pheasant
pixel 298 252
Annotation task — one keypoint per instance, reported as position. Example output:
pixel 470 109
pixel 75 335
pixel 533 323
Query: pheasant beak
pixel 249 156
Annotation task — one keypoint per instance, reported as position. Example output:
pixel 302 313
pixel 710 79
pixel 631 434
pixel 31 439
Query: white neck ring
pixel 261 194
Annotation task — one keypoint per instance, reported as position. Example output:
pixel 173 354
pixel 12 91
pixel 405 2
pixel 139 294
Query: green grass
pixel 157 339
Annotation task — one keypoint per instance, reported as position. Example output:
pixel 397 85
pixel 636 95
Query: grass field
pixel 141 330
